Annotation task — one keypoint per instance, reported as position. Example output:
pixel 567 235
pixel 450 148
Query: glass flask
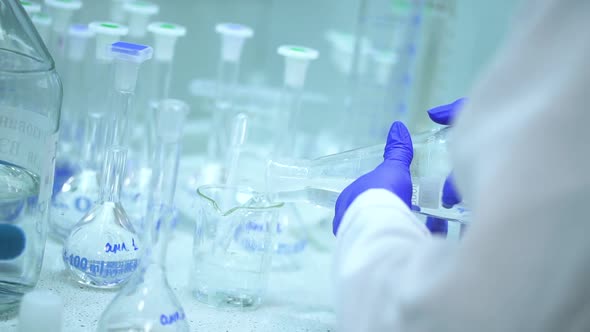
pixel 233 37
pixel 128 60
pixel 233 246
pixel 30 101
pixel 79 193
pixel 146 302
pixel 74 198
pixel 103 248
pixel 291 231
pixel 321 180
pixel 153 85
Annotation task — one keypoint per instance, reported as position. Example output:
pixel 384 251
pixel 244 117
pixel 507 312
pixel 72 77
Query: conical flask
pixel 147 303
pixel 30 100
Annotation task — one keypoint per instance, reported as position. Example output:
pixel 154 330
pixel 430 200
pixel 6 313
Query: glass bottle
pixel 321 180
pixel 30 101
pixel 147 302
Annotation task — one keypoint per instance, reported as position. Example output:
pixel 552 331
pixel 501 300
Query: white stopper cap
pixel 165 36
pixel 171 117
pixel 41 310
pixel 31 7
pixel 139 13
pixel 232 39
pixel 116 11
pixel 128 57
pixel 79 35
pixel 61 11
pixel 106 34
pixel 41 20
pixel 297 59
pixel 384 65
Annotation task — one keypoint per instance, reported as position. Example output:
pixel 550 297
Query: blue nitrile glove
pixel 445 115
pixel 392 174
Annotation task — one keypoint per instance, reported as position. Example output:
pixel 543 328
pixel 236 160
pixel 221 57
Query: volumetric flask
pixel 233 246
pixel 30 100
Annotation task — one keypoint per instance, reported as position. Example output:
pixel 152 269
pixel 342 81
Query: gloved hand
pixel 392 174
pixel 445 115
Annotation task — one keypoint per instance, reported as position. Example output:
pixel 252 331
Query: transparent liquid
pixel 224 280
pixel 75 198
pixel 426 197
pixel 19 194
pixel 102 251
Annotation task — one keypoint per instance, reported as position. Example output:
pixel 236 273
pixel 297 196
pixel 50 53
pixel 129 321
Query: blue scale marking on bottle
pixel 128 48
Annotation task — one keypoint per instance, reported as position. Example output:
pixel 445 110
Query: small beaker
pixel 233 246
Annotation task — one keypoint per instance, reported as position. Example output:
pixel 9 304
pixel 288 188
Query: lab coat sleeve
pixel 376 239
pixel 522 156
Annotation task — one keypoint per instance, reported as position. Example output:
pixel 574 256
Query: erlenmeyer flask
pixel 147 302
pixel 30 100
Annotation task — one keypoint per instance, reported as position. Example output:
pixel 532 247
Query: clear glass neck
pixel 112 174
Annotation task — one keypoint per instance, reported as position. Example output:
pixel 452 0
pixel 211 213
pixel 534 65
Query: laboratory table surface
pixel 297 300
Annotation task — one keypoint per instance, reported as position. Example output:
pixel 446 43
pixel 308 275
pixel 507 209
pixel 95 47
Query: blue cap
pixel 131 52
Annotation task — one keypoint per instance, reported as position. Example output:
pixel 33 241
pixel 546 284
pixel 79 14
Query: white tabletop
pixel 296 301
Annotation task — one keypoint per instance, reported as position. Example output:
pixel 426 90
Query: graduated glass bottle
pixel 321 180
pixel 30 101
pixel 147 302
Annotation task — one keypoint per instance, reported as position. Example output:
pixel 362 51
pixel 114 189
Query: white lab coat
pixel 522 156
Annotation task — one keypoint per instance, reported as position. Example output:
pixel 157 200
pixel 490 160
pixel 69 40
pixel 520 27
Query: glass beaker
pixel 30 101
pixel 233 246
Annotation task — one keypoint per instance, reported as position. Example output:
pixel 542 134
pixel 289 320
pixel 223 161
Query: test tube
pixel 138 15
pixel 61 12
pixel 233 37
pixel 106 34
pixel 297 59
pixel 42 23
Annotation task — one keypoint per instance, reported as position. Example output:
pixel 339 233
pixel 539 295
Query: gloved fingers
pixel 399 145
pixel 437 226
pixel 342 204
pixel 450 194
pixel 445 114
